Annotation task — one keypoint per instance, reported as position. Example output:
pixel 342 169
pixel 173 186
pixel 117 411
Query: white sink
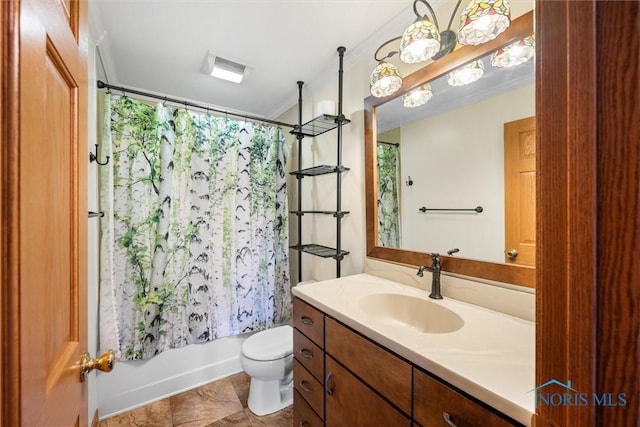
pixel 420 314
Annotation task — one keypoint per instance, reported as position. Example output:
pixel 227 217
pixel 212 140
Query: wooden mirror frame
pixel 506 273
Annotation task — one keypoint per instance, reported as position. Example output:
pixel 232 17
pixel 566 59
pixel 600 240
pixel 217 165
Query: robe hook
pixel 94 158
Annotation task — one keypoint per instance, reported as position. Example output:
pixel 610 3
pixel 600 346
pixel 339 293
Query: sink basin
pixel 409 311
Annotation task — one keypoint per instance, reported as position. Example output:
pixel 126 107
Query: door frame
pixel 9 214
pixel 587 276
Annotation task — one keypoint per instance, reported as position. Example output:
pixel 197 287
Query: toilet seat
pixel 270 344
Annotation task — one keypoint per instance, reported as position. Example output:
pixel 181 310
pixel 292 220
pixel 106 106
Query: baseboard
pixel 125 401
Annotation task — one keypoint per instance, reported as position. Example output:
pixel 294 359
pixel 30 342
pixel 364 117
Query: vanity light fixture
pixel 418 96
pixel 481 21
pixel 385 79
pixel 222 68
pixel 514 54
pixel 466 74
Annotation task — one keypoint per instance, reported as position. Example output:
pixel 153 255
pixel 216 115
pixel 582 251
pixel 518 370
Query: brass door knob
pixel 512 254
pixel 103 363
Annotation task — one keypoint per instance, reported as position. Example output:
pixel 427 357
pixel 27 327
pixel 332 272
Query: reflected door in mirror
pixel 520 191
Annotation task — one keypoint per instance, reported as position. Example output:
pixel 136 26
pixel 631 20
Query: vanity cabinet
pixel 343 378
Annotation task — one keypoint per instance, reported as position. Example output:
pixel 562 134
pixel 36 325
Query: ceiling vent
pixel 225 69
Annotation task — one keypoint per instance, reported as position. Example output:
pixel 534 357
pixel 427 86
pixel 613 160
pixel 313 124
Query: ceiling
pixel 159 46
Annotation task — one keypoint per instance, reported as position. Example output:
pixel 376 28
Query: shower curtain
pixel 195 239
pixel 388 195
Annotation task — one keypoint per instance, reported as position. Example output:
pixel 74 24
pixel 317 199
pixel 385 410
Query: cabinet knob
pixel 447 419
pixel 306 320
pixel 512 254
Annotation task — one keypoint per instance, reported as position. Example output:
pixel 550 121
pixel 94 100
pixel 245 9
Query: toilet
pixel 267 357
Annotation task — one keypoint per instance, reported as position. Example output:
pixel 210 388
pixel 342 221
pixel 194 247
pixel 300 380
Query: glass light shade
pixel 385 80
pixel 514 54
pixel 418 96
pixel 420 41
pixel 483 20
pixel 466 74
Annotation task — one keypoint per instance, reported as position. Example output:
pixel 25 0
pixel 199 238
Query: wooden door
pixel 47 213
pixel 520 191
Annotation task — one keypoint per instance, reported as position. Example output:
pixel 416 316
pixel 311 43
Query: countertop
pixel 491 357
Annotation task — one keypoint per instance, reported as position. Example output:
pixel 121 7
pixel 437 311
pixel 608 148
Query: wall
pixel 456 161
pixel 319 192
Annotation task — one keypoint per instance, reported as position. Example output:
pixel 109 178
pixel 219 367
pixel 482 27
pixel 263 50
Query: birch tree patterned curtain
pixel 195 238
pixel 388 195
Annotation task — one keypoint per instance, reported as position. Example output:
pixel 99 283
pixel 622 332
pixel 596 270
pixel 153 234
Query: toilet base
pixel 266 397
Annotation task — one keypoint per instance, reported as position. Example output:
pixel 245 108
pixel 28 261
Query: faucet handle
pixel 420 272
pixel 435 261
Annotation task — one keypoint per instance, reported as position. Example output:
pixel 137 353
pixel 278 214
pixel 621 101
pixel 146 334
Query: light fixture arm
pixel 455 11
pixel 431 12
pixel 448 37
pixel 390 54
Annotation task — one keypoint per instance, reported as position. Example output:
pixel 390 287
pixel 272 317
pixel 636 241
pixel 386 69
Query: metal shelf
pixel 319 250
pixel 315 127
pixel 319 170
pixel 319 125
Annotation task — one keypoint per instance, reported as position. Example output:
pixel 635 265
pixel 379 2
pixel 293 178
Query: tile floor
pixel 218 404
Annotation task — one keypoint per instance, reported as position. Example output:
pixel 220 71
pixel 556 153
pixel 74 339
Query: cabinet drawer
pixel 309 355
pixel 351 403
pixel 309 388
pixel 432 400
pixel 303 415
pixel 383 371
pixel 309 321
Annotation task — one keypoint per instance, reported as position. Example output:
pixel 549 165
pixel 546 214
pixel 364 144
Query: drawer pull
pixel 306 320
pixel 447 418
pixel 327 384
pixel 304 424
pixel 306 353
pixel 305 387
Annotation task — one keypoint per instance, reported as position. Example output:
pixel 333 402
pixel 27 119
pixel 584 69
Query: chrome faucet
pixel 435 270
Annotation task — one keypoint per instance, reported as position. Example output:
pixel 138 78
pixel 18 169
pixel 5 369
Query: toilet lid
pixel 270 344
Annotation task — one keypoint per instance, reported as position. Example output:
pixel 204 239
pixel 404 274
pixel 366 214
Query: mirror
pixel 470 183
pixel 441 165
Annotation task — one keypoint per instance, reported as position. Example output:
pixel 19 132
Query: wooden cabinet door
pixel 349 402
pixel 384 372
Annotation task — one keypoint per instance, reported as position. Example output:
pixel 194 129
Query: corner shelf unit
pixel 317 126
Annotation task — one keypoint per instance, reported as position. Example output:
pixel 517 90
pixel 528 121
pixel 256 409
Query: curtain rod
pixel 103 85
pixel 395 144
